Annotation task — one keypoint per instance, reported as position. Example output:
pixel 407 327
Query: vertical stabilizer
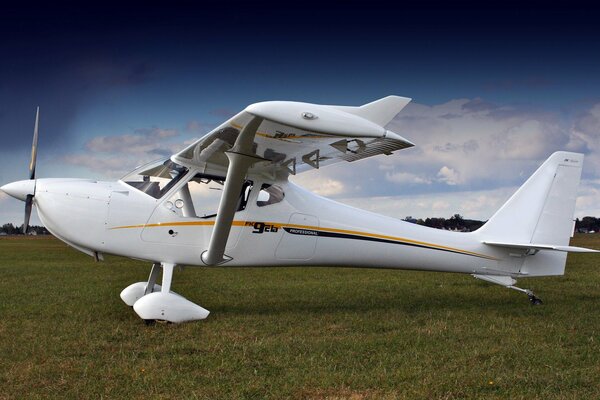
pixel 541 211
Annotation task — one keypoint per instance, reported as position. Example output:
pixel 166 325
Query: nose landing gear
pixel 158 303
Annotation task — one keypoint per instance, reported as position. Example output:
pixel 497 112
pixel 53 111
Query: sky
pixel 495 89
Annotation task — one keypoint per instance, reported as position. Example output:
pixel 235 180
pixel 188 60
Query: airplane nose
pixel 20 189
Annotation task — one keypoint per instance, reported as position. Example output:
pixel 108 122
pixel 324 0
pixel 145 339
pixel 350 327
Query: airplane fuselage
pixel 301 229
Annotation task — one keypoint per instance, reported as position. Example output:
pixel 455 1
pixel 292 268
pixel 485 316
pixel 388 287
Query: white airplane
pixel 167 212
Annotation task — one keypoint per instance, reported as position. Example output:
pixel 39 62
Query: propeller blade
pixel 28 203
pixel 34 145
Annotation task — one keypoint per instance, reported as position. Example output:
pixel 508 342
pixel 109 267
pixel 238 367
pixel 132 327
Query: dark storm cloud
pixel 61 90
pixel 477 105
pixel 62 56
pixel 450 116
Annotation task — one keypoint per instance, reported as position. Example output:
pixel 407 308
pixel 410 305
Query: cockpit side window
pixel 269 194
pixel 201 195
pixel 156 178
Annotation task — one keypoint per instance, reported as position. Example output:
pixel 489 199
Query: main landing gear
pixel 154 302
pixel 508 282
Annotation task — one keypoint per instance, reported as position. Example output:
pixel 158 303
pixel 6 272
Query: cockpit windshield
pixel 156 178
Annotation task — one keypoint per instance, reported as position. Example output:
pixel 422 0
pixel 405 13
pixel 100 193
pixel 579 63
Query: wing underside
pixel 294 137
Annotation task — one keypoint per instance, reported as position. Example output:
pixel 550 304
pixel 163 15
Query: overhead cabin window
pixel 201 195
pixel 269 194
pixel 156 178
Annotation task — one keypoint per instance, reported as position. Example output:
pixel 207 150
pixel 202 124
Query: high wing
pixel 293 137
pixel 278 138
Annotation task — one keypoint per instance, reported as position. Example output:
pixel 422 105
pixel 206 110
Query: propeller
pixel 29 199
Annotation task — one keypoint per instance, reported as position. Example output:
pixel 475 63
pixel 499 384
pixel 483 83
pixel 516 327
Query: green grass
pixel 276 333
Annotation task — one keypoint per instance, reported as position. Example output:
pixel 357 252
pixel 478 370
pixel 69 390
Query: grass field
pixel 320 333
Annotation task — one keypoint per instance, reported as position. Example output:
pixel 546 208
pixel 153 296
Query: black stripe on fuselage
pixel 311 232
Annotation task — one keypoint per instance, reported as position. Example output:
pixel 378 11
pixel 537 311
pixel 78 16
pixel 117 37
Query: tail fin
pixel 539 218
pixel 541 211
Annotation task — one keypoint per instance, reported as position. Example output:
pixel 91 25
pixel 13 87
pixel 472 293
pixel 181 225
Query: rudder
pixel 542 210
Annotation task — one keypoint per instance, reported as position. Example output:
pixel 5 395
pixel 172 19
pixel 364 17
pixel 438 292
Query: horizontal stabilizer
pixel 533 246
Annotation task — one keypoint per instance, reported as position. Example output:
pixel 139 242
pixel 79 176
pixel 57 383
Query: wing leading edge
pixel 294 136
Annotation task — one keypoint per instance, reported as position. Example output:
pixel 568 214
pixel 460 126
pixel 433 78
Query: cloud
pixel 449 176
pixel 471 204
pixel 199 127
pixel 477 105
pixel 440 205
pixel 588 199
pixel 468 152
pixel 142 141
pixel 113 166
pixel 112 156
pixel 329 187
pixel 319 184
pixel 406 178
pixel 478 146
pixel 467 146
pixel 585 138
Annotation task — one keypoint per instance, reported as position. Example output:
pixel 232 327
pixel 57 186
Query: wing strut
pixel 241 157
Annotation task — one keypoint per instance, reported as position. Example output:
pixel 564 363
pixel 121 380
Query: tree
pixel 9 228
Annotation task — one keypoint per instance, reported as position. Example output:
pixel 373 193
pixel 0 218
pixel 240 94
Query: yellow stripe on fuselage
pixel 333 230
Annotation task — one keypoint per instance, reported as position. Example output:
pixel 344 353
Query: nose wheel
pixel 153 303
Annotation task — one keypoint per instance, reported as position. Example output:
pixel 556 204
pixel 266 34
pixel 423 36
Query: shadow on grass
pixel 415 302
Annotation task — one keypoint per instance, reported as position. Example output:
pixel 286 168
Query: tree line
pixel 458 223
pixel 454 223
pixel 11 229
pixel 587 224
